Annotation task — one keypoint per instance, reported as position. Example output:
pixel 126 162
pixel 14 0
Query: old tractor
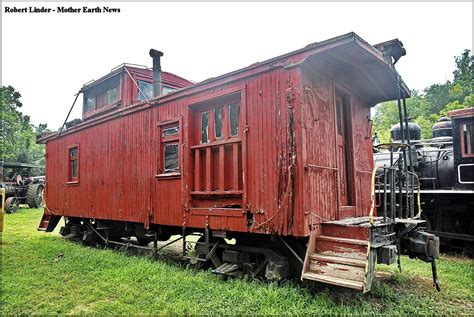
pixel 20 186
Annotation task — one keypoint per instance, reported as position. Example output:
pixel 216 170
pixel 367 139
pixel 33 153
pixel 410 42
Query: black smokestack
pixel 157 87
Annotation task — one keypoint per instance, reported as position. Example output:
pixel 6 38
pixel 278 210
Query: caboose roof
pixel 168 79
pixel 459 113
pixel 348 57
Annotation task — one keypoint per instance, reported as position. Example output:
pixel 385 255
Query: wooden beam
pixel 197 169
pixel 221 167
pixel 235 168
pixel 208 169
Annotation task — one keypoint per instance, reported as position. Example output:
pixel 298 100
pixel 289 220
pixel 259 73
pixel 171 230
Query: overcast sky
pixel 48 57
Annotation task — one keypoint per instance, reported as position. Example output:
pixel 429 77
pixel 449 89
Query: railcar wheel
pixel 11 205
pixel 142 241
pixel 34 195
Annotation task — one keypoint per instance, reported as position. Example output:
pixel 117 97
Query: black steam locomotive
pixel 443 170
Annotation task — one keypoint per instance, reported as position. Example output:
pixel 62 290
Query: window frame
pixel 108 95
pixel 201 114
pixel 164 140
pixel 71 180
pixel 226 124
pixel 138 90
pixel 165 145
pixel 168 89
pixel 229 115
pixel 463 140
pixel 100 93
pixel 223 126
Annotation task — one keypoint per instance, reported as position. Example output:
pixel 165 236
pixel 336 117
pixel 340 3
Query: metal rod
pixel 206 238
pixel 67 117
pixel 435 275
pixel 392 195
pixel 168 243
pixel 128 245
pixel 291 250
pixel 392 186
pixel 135 83
pixel 384 193
pixel 208 256
pixel 400 191
pixel 184 240
pixel 411 183
pixel 319 166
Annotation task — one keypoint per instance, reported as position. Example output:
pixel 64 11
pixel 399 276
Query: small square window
pixel 146 90
pixel 170 157
pixel 167 90
pixel 90 103
pixel 111 95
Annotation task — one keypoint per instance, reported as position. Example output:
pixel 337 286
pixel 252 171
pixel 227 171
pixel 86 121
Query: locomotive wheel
pixel 11 205
pixel 34 195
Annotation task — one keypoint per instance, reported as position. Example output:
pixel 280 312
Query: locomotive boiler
pixel 276 156
pixel 444 168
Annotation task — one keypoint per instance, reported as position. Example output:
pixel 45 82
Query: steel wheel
pixel 11 205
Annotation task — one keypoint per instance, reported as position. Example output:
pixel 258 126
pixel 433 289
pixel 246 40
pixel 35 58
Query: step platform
pixel 48 222
pixel 340 254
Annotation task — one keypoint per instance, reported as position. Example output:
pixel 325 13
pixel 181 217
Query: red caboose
pixel 277 156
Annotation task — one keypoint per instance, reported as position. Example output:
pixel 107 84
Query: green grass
pixel 44 274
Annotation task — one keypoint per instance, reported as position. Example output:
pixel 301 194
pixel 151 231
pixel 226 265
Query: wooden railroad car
pixel 276 156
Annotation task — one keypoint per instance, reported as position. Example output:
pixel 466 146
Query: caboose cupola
pixel 129 84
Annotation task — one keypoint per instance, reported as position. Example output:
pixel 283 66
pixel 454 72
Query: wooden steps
pixel 336 259
pixel 44 222
pixel 340 256
pixel 48 222
pixel 334 281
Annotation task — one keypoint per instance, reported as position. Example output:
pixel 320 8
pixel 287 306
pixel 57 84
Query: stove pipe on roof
pixel 157 87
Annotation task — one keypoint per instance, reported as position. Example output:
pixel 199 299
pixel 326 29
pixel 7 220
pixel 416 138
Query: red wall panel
pixel 118 160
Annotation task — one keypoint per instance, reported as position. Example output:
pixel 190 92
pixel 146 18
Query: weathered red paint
pixel 281 170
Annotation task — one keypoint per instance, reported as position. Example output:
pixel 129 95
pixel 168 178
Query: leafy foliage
pixel 436 101
pixel 17 134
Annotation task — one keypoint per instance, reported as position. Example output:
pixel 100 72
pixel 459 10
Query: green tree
pixel 436 101
pixel 17 134
pixel 386 114
pixel 463 74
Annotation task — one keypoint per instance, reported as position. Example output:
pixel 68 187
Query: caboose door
pixel 217 154
pixel 343 145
